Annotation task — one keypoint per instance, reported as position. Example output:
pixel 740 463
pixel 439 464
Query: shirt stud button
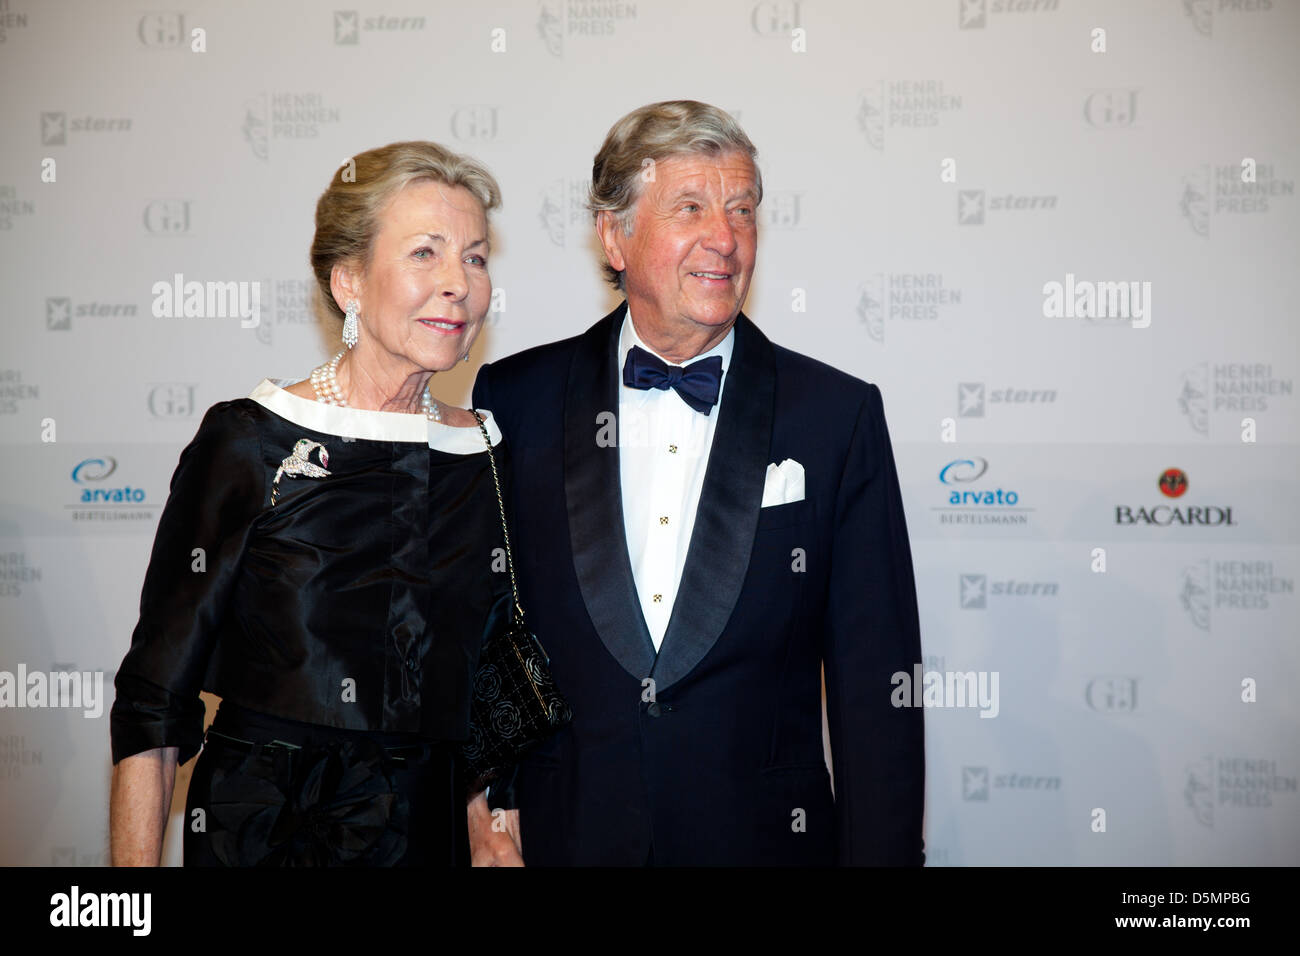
pixel 663 519
pixel 672 449
pixel 658 598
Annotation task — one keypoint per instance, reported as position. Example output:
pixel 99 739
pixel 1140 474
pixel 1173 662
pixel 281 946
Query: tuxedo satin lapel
pixel 727 515
pixel 595 504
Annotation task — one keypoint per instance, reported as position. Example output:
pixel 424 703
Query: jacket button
pixel 412 664
pixel 653 708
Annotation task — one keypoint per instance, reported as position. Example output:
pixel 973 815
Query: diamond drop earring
pixel 350 325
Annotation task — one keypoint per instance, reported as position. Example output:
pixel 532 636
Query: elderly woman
pixel 323 564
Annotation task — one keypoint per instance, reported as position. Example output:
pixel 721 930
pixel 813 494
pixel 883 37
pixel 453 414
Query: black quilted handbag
pixel 514 703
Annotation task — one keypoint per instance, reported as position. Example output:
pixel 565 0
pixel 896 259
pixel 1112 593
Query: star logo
pixel 970 399
pixel 347 27
pixel 58 314
pixel 974 16
pixel 974 592
pixel 54 129
pixel 975 783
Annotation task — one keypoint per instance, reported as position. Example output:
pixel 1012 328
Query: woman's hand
pixel 493 840
pixel 139 803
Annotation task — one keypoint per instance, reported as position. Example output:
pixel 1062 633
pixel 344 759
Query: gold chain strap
pixel 510 563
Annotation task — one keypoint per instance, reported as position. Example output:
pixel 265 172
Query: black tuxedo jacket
pixel 723 762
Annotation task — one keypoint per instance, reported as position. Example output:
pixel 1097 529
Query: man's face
pixel 688 263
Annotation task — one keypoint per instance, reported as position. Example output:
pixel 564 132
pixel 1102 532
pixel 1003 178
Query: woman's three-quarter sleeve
pixel 218 490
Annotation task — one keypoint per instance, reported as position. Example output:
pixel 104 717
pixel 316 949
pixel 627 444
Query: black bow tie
pixel 698 383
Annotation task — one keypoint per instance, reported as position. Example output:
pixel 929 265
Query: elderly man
pixel 704 520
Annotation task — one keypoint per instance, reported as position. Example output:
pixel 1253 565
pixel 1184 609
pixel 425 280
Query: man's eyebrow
pixel 685 192
pixel 690 192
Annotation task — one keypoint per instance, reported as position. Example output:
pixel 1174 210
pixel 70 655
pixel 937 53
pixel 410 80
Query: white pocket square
pixel 784 484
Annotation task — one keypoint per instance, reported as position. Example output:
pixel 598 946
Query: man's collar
pixel 628 337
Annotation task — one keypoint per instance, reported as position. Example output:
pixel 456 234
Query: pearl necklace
pixel 325 383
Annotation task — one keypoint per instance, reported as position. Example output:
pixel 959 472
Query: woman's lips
pixel 443 326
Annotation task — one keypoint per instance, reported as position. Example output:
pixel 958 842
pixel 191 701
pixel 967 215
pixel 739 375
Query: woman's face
pixel 426 290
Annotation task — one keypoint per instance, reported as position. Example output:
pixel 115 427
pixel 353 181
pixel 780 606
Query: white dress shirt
pixel 662 456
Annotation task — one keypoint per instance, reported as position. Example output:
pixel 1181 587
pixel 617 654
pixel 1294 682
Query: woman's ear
pixel 345 284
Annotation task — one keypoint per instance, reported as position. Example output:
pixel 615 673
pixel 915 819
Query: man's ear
pixel 611 236
pixel 345 284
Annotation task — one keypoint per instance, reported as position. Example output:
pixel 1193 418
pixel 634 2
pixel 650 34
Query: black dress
pixel 327 572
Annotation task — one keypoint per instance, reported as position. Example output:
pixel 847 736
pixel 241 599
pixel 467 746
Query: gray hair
pixel 655 133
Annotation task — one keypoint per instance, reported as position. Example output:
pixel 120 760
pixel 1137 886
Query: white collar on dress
pixel 375 426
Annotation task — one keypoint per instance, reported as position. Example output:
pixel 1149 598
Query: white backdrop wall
pixel 929 166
